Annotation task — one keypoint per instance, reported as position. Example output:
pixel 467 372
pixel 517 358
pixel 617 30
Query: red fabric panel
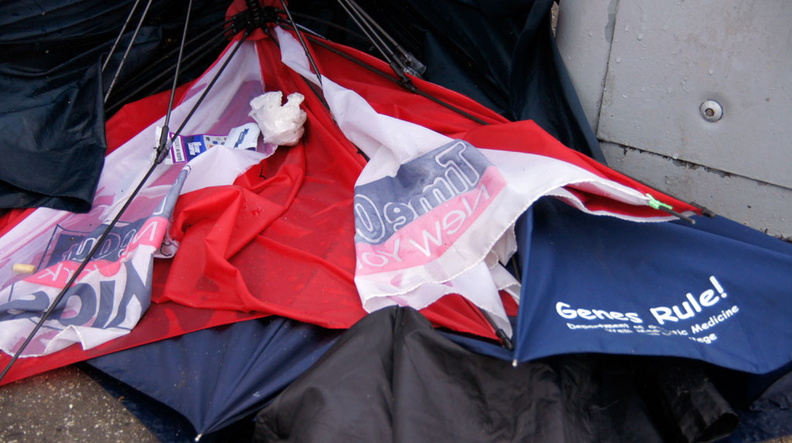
pixel 280 240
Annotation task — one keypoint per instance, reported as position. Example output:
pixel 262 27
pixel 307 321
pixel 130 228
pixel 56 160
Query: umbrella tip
pixel 514 363
pixel 660 206
pixel 507 343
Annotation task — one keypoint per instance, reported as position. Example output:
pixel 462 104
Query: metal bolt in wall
pixel 711 110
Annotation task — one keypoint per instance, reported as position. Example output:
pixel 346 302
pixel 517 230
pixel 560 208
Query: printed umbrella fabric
pixel 677 270
pixel 715 291
pixel 291 252
pixel 115 288
pixel 109 296
pixel 282 178
pixel 45 236
pixel 282 242
pixel 435 216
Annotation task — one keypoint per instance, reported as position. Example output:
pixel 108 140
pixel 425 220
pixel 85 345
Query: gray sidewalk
pixel 65 405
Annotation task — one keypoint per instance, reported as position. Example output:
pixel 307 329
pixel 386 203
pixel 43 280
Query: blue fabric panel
pixel 714 291
pixel 215 376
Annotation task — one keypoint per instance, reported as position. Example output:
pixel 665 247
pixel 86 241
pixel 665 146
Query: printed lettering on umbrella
pixel 108 297
pixel 412 218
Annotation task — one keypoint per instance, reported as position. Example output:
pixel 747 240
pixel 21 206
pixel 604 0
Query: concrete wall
pixel 693 97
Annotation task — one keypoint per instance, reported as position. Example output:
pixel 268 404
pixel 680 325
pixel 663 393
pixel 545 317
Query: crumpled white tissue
pixel 281 124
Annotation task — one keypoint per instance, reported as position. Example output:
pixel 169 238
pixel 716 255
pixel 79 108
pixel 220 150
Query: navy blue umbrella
pixel 216 376
pixel 715 291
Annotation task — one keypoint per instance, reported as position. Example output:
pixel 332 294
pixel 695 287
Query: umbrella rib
pixel 99 243
pixel 120 34
pixel 198 50
pixel 408 61
pixel 191 59
pixel 327 23
pixel 211 84
pixel 302 41
pixel 498 330
pixel 360 20
pixel 126 53
pixel 394 79
pixel 162 147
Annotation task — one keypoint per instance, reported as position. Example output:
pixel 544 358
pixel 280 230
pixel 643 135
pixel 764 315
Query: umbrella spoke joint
pixel 256 17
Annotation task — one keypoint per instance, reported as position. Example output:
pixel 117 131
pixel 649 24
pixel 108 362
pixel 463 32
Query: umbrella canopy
pixel 391 377
pixel 280 239
pixel 56 67
pixel 280 258
pixel 715 291
pixel 501 53
pixel 216 376
pixel 289 192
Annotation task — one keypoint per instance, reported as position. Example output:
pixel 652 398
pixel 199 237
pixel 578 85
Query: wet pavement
pixel 66 405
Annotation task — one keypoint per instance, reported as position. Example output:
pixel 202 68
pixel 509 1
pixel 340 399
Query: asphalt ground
pixel 66 405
